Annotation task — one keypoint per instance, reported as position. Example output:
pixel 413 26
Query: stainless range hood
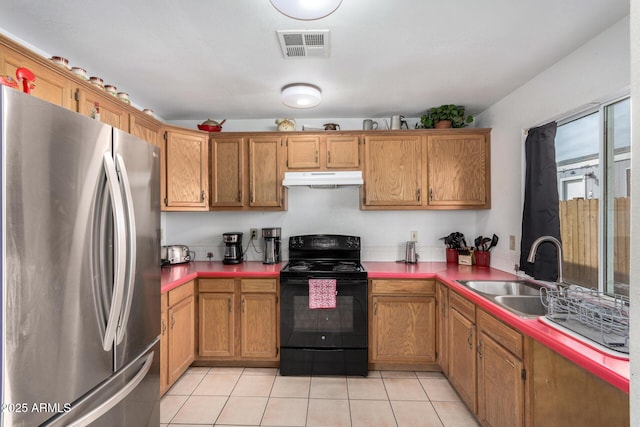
pixel 323 179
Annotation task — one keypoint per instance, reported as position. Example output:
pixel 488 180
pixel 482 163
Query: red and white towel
pixel 322 293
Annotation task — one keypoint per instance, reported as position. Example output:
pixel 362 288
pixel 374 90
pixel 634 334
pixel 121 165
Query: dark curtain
pixel 540 213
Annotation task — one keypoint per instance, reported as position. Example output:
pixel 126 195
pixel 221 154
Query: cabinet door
pixel 227 160
pixel 393 171
pixel 500 385
pixel 404 330
pixel 216 325
pixel 343 152
pixel 462 357
pixel 265 176
pixel 187 171
pixel 181 337
pixel 164 345
pixel 442 294
pixel 458 170
pixel 144 128
pixel 303 152
pixel 112 112
pixel 259 326
pixel 50 86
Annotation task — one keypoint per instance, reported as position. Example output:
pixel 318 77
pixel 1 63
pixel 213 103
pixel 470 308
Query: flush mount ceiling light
pixel 301 95
pixel 306 10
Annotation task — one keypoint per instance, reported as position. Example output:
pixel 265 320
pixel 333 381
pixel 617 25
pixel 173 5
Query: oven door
pixel 342 327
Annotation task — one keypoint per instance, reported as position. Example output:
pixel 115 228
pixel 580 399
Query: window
pixel 593 158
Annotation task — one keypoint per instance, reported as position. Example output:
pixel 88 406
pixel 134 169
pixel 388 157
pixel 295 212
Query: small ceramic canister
pixel 80 72
pixel 124 96
pixel 96 81
pixel 112 90
pixel 59 60
pixel 148 111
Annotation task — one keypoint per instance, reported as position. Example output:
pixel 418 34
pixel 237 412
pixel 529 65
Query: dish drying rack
pixel 595 315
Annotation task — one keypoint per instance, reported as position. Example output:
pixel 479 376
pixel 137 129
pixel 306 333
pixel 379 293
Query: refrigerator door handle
pixel 131 237
pixel 120 249
pixel 117 397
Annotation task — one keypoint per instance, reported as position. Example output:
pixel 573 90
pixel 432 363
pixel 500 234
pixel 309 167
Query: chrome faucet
pixel 534 249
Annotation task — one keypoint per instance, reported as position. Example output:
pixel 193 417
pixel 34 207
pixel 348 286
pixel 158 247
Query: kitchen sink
pixel 527 305
pixel 521 297
pixel 503 287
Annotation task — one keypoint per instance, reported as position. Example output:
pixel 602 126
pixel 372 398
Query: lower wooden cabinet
pixel 442 298
pixel 501 373
pixel 238 320
pixel 402 328
pixel 462 349
pixel 177 344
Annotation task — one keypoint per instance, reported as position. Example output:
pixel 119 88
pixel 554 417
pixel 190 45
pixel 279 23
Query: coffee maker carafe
pixel 271 238
pixel 233 249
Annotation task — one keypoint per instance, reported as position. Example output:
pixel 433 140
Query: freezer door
pixel 138 166
pixel 129 398
pixel 53 302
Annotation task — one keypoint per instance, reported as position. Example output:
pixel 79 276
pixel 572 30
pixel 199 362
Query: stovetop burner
pixel 324 256
pixel 324 266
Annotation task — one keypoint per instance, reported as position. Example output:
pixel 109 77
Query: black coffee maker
pixel 233 249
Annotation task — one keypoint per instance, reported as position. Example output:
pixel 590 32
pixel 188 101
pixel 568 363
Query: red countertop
pixel 611 369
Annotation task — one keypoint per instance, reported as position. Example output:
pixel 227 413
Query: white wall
pixel 595 72
pixel 331 211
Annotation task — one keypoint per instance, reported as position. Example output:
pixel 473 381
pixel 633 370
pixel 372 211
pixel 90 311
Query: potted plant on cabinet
pixel 445 116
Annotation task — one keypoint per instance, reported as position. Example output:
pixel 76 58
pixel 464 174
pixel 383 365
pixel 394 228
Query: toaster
pixel 174 254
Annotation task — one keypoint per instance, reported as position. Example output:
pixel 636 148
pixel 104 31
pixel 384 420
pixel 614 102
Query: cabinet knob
pixel 173 321
pixel 202 196
pixel 229 303
pixel 163 327
pixel 328 156
pixel 375 308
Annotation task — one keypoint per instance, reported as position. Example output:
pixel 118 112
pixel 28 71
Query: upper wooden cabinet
pixel 112 111
pixel 227 171
pixel 50 85
pixel 246 171
pixel 392 170
pixel 427 169
pixel 265 172
pixel 323 152
pixel 186 170
pixel 144 127
pixel 458 170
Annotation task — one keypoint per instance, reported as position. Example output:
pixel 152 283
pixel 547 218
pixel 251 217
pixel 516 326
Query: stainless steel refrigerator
pixel 80 256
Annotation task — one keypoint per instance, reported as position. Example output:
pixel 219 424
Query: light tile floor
pixel 261 397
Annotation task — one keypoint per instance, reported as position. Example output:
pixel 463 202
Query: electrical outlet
pixel 512 242
pixel 253 232
pixel 414 236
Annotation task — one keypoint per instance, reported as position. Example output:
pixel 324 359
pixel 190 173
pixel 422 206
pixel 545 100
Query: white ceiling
pixel 192 59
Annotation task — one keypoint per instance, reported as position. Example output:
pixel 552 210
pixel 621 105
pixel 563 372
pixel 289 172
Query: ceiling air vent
pixel 304 43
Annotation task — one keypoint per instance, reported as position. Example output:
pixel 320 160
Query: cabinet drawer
pixel 504 335
pixel 258 285
pixel 216 285
pixel 178 294
pixel 399 287
pixel 462 306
